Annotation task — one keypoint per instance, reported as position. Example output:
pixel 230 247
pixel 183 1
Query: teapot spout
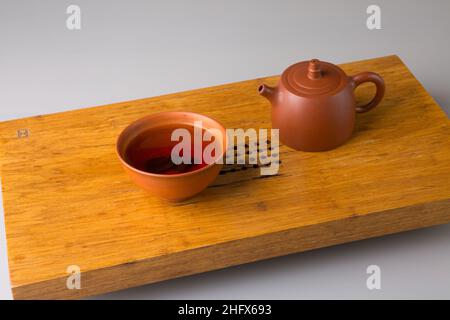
pixel 268 92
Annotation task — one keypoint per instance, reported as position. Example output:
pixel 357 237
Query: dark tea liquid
pixel 151 152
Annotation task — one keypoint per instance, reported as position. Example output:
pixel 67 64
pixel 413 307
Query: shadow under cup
pixel 145 150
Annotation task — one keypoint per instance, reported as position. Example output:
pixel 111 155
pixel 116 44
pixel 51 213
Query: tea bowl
pixel 154 132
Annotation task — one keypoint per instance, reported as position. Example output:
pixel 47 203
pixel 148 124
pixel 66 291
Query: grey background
pixel 134 49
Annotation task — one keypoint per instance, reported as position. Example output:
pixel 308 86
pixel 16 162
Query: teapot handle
pixel 375 79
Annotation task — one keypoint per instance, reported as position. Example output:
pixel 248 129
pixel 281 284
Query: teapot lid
pixel 312 78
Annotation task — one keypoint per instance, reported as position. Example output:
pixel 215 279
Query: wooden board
pixel 68 202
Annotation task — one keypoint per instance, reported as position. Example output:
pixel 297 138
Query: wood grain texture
pixel 68 202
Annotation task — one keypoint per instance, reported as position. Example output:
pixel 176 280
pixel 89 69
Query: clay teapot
pixel 314 107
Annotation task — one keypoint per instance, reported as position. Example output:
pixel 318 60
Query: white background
pixel 135 49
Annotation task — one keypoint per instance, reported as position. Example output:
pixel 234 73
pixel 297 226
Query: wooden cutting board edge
pixel 242 251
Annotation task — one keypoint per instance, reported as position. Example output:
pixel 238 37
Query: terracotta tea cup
pixel 159 175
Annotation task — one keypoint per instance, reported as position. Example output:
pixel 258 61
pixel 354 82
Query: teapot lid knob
pixel 313 78
pixel 314 70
